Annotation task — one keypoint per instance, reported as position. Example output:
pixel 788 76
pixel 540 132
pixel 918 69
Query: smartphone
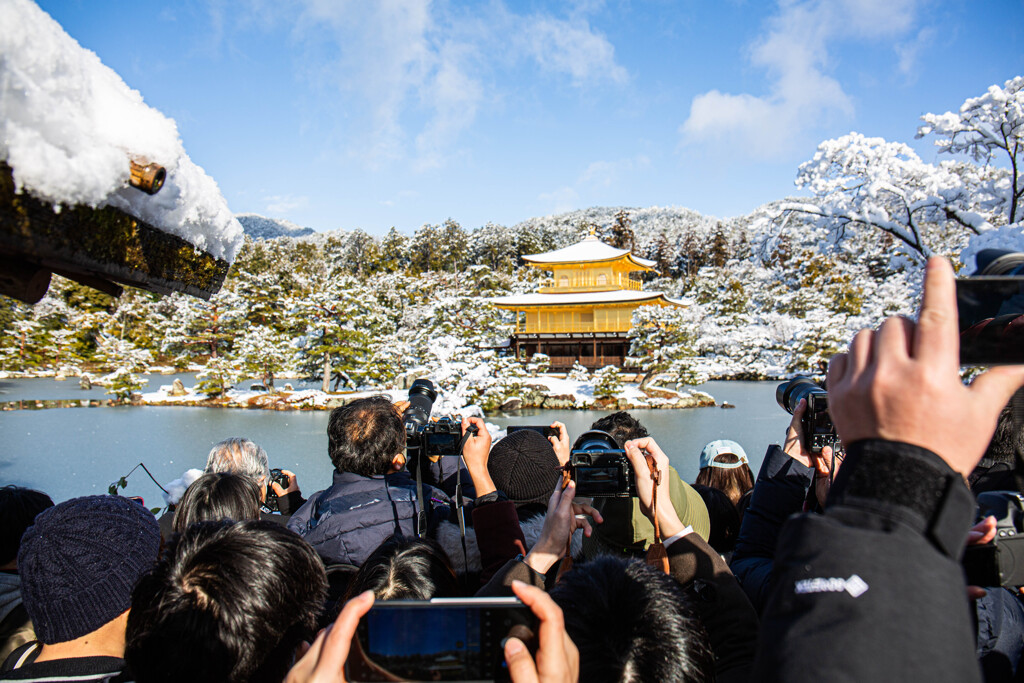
pixel 542 430
pixel 444 639
pixel 991 320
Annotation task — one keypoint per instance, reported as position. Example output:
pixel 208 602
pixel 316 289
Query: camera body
pixel 600 468
pixel 424 437
pixel 816 423
pixel 282 480
pixel 440 437
pixel 1001 562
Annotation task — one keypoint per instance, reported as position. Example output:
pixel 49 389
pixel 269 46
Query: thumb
pixel 998 384
pixel 521 667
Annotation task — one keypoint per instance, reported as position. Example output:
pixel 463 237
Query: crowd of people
pixel 840 565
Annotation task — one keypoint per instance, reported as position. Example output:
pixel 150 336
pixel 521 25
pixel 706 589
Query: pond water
pixel 70 452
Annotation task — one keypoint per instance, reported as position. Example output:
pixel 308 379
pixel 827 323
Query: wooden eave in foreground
pixel 101 248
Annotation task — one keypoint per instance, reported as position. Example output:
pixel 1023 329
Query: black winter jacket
pixel 348 521
pixel 872 590
pixel 779 492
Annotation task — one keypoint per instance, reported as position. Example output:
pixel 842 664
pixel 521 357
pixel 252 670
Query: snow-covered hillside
pixel 262 228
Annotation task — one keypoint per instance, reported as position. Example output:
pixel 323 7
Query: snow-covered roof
pixel 621 296
pixel 589 250
pixel 69 127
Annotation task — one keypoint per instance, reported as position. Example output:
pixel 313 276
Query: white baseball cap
pixel 721 447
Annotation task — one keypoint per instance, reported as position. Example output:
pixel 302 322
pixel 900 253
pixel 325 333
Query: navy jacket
pixel 348 521
pixel 779 492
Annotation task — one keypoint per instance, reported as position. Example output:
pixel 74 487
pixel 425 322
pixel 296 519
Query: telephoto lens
pixel 788 394
pixel 421 402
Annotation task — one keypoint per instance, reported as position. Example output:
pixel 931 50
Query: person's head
pixel 723 516
pixel 80 561
pixel 524 467
pixel 240 456
pixel 407 568
pixel 723 466
pixel 366 437
pixel 631 623
pixel 18 508
pixel 622 426
pixel 229 601
pixel 216 496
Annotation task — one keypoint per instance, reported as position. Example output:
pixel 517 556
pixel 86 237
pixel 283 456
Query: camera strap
pixel 421 514
pixel 657 556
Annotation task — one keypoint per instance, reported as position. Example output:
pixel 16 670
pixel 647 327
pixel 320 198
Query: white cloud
pixel 284 203
pixel 596 179
pixel 561 200
pixel 415 74
pixel 570 47
pixel 909 51
pixel 795 54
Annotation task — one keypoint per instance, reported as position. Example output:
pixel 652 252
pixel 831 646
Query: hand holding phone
pixel 324 661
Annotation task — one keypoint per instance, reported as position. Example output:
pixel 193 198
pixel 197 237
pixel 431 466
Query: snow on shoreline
pixel 549 392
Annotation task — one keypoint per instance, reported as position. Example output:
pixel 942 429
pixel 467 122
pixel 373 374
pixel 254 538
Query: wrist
pixel 482 482
pixel 541 561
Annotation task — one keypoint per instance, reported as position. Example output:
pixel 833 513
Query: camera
pixel 600 468
pixel 282 480
pixel 1001 562
pixel 990 306
pixel 816 424
pixel 428 438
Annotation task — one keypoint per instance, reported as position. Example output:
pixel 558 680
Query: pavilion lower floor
pixel 592 350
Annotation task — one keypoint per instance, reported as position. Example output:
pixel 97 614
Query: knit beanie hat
pixel 524 467
pixel 80 561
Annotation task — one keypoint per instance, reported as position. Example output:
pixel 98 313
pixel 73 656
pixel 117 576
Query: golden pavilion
pixel 586 313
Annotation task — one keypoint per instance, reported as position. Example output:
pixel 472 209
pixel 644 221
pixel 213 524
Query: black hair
pixel 18 509
pixel 632 623
pixel 364 436
pixel 229 601
pixel 407 568
pixel 622 426
pixel 1008 439
pixel 217 496
pixel 724 518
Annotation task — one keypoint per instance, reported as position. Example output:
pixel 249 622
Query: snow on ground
pixel 69 126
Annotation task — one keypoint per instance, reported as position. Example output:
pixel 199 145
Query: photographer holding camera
pixel 875 581
pixel 372 496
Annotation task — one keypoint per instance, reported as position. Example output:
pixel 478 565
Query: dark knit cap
pixel 79 563
pixel 524 466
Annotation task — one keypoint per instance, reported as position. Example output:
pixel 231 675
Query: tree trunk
pixel 327 373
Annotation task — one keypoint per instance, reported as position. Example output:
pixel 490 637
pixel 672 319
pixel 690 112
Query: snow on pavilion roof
pixel 589 250
pixel 622 296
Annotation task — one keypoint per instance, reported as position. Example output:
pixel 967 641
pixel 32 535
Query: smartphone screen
pixel 991 320
pixel 438 640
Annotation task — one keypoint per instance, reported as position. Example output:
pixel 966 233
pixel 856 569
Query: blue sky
pixel 378 113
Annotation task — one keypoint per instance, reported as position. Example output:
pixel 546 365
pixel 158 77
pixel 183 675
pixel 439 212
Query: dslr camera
pixel 600 468
pixel 425 437
pixel 1001 562
pixel 282 480
pixel 816 424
